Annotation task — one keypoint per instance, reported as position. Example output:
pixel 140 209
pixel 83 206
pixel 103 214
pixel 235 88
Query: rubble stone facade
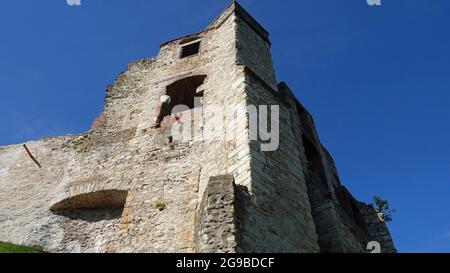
pixel 128 185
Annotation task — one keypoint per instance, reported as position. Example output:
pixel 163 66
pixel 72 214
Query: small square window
pixel 190 50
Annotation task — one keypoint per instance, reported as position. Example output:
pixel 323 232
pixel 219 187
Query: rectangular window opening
pixel 190 50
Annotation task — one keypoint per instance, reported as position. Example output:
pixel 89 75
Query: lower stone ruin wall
pixel 302 207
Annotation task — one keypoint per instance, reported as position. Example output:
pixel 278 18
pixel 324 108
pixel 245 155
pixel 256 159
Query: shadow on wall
pixel 91 215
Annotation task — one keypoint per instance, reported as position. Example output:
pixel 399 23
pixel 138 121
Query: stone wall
pixel 280 215
pixel 215 230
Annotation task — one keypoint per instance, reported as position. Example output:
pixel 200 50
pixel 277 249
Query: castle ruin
pixel 130 185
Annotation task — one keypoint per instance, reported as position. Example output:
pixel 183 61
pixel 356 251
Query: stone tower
pixel 131 184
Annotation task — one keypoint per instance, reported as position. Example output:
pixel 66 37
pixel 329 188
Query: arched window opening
pixel 186 92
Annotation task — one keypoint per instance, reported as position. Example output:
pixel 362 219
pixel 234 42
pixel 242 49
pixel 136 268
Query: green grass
pixel 10 248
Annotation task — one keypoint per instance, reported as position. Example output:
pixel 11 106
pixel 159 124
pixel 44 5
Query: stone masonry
pixel 130 185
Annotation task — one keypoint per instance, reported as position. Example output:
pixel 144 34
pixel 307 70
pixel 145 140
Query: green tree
pixel 382 206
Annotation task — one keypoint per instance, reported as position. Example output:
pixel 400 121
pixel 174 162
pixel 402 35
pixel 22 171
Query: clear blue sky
pixel 376 80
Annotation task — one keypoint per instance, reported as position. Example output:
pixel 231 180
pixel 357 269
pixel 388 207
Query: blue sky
pixel 376 79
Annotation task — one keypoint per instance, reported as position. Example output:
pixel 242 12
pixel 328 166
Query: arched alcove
pixel 94 206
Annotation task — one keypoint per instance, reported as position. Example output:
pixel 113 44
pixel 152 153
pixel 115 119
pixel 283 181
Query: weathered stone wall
pixel 129 185
pixel 279 215
pixel 253 47
pixel 25 189
pixel 215 225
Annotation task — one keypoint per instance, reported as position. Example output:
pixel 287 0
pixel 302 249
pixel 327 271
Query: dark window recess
pixel 183 92
pixel 189 50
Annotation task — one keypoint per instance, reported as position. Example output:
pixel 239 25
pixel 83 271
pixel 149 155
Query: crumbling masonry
pixel 128 185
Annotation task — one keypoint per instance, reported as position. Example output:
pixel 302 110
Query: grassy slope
pixel 10 248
